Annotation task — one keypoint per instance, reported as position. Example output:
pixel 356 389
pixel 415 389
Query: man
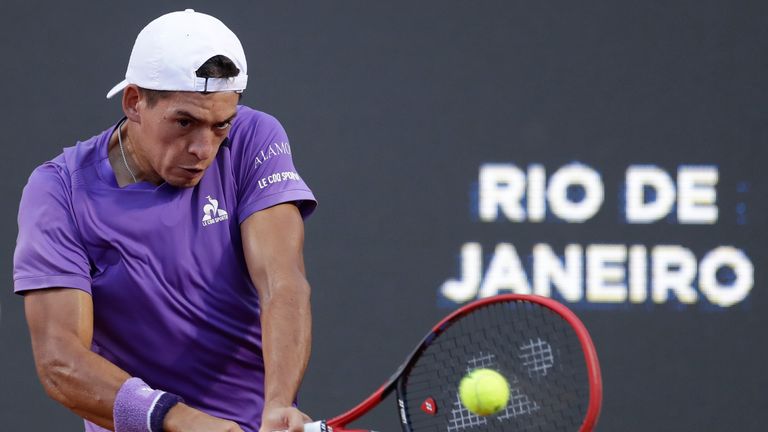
pixel 161 260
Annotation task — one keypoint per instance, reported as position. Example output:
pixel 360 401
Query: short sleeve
pixel 49 252
pixel 263 165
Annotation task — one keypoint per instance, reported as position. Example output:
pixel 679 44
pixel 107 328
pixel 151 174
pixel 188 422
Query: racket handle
pixel 321 426
pixel 318 426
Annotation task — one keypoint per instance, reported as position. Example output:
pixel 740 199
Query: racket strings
pixel 531 346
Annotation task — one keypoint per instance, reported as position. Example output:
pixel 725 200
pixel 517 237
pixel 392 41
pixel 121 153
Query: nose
pixel 203 145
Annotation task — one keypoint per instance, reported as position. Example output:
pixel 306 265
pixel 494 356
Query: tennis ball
pixel 484 391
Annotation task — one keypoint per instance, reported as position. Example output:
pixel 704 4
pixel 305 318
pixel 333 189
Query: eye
pixel 222 126
pixel 184 123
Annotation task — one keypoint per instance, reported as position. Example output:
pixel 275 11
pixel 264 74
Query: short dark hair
pixel 218 66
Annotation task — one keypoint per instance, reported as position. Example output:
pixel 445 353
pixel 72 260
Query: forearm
pixel 87 384
pixel 286 319
pixel 61 329
pixel 273 241
pixel 81 380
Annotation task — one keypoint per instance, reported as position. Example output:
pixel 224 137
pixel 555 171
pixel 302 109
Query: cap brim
pixel 118 88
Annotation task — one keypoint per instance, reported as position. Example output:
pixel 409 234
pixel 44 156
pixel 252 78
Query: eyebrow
pixel 183 113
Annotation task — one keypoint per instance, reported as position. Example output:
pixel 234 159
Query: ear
pixel 132 103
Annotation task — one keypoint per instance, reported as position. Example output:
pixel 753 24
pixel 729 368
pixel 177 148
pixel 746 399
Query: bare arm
pixel 273 242
pixel 61 326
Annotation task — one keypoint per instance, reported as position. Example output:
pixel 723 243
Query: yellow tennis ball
pixel 484 391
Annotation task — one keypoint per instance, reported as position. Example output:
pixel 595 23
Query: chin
pixel 183 182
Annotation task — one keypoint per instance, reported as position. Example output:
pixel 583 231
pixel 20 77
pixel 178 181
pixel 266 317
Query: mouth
pixel 192 171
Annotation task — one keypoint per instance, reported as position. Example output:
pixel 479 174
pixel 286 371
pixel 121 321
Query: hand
pixel 283 418
pixel 183 418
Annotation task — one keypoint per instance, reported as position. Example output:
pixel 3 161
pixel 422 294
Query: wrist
pixel 140 408
pixel 278 402
pixel 173 420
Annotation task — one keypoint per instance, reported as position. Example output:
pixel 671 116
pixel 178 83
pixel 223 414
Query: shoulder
pixel 56 174
pixel 50 177
pixel 249 117
pixel 47 197
pixel 253 127
pixel 88 152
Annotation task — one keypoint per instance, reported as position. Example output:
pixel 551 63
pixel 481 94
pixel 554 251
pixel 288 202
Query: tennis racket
pixel 536 343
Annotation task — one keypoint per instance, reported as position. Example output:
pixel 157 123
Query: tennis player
pixel 161 260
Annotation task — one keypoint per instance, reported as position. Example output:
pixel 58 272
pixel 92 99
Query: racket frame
pixel 395 382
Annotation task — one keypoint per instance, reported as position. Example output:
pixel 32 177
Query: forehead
pixel 209 107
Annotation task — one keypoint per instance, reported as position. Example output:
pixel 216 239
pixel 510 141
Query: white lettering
pixel 536 194
pixel 549 270
pixel 572 175
pixel 504 187
pixel 640 177
pixel 674 268
pixel 696 195
pixel 215 220
pixel 274 149
pixel 278 178
pixel 465 288
pixel 638 274
pixel 505 273
pixel 605 273
pixel 724 294
pixel 501 187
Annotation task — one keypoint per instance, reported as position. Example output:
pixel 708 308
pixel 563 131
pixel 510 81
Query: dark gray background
pixel 391 108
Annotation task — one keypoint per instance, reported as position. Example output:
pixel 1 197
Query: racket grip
pixel 318 426
pixel 322 426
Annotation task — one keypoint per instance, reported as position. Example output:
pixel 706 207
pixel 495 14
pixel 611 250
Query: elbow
pixel 293 290
pixel 57 373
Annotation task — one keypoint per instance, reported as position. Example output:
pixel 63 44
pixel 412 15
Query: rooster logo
pixel 212 213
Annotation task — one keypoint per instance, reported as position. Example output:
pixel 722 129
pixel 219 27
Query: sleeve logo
pixel 274 149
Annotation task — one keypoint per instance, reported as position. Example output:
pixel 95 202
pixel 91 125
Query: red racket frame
pixel 590 357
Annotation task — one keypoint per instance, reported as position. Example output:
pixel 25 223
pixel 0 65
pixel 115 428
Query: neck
pixel 122 154
pixel 125 162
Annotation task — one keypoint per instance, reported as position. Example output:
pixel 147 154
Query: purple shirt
pixel 173 301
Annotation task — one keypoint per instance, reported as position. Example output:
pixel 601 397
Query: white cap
pixel 171 48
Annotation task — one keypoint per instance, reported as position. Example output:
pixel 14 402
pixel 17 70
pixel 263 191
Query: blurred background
pixel 607 154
